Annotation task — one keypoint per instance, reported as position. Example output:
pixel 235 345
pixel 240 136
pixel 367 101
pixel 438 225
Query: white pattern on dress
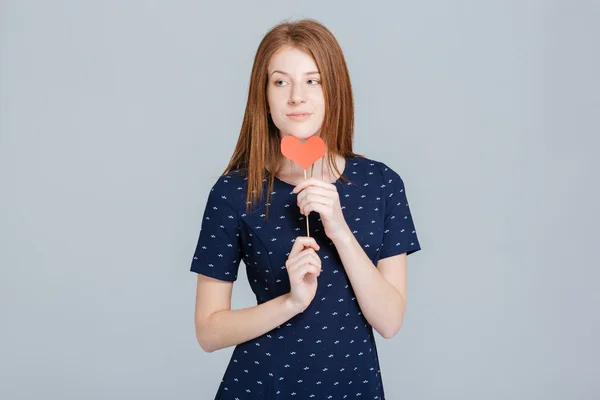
pixel 333 356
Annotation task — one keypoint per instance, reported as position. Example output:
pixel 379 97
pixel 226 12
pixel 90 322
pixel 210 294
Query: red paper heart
pixel 303 154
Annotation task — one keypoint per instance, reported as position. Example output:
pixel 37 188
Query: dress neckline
pixel 347 159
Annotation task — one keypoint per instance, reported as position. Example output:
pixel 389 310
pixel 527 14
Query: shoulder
pixel 390 176
pixel 379 172
pixel 229 188
pixel 229 181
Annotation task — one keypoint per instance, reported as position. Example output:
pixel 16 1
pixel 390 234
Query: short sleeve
pixel 218 251
pixel 399 235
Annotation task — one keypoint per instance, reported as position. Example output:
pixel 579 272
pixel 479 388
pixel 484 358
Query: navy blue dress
pixel 328 351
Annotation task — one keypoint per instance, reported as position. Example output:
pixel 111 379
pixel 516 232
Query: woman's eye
pixel 279 82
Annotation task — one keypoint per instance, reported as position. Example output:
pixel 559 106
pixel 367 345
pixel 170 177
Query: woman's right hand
pixel 303 266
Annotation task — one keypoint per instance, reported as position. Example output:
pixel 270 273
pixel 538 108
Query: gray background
pixel 116 118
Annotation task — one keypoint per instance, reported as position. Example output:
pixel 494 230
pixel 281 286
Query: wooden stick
pixel 307 230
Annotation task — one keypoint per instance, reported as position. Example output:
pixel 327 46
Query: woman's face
pixel 295 94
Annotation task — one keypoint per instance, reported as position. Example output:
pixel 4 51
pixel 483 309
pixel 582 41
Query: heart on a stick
pixel 303 154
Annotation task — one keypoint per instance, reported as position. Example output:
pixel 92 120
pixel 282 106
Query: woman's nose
pixel 297 94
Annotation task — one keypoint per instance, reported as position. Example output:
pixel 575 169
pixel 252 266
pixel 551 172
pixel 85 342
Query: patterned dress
pixel 328 351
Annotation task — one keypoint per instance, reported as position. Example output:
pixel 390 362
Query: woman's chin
pixel 301 135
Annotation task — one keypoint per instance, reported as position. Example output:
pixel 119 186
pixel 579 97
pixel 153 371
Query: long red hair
pixel 258 147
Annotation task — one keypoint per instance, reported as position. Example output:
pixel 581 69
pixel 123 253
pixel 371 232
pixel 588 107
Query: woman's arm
pixel 381 302
pixel 218 327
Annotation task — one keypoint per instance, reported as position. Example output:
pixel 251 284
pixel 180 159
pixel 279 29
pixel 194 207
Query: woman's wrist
pixel 290 305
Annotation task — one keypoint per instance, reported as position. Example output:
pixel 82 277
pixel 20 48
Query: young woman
pixel 320 295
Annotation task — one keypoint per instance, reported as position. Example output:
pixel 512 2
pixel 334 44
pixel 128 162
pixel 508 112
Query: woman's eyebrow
pixel 285 73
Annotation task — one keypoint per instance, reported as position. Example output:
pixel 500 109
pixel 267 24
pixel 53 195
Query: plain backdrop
pixel 117 117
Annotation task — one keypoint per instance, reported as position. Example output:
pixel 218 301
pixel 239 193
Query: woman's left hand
pixel 322 197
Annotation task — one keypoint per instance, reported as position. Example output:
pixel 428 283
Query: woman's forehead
pixel 292 61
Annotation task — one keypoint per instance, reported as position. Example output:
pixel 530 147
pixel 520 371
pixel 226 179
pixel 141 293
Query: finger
pixel 320 208
pixel 302 258
pixel 304 270
pixel 309 252
pixel 314 198
pixel 304 253
pixel 314 182
pixel 302 248
pixel 301 242
pixel 313 258
pixel 315 194
pixel 316 190
pixel 317 260
pixel 317 265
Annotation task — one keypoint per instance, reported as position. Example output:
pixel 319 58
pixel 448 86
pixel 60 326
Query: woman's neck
pixel 293 173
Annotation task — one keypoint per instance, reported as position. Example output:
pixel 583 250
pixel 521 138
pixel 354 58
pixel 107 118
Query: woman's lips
pixel 298 117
